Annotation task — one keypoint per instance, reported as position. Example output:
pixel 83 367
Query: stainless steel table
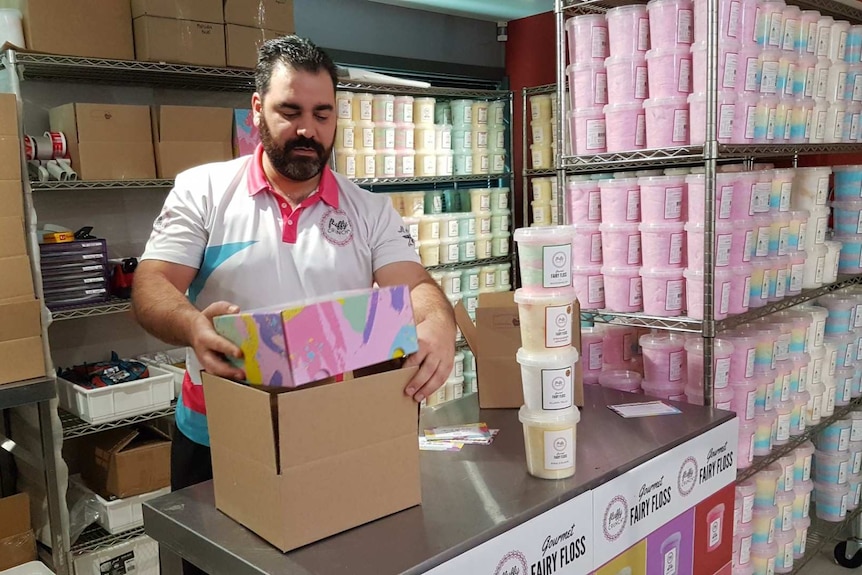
pixel 468 497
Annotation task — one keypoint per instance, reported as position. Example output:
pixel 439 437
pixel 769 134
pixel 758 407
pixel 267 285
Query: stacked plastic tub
pixel 543 135
pixel 837 466
pixel 547 358
pixel 847 223
pixel 544 201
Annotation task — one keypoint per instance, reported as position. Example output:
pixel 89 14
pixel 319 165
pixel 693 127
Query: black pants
pixel 191 464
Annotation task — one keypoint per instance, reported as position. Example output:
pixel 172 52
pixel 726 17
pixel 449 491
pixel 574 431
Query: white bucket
pixel 10 27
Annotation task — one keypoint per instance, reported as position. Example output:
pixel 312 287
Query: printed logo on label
pixel 614 522
pixel 512 563
pixel 336 227
pixel 687 478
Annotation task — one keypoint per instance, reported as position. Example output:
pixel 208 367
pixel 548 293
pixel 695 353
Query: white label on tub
pixel 787 521
pixel 683 85
pixel 368 138
pixel 683 27
pixel 784 199
pixel 453 253
pixel 770 125
pixel 723 244
pixel 857 88
pixel 594 207
pixel 600 42
pixel 731 63
pixel 762 247
pixel 748 248
pixel 857 319
pixel 595 356
pixel 749 358
pixel 490 279
pixel 640 82
pixel 504 280
pixel 824 35
pixel 596 248
pixel 640 131
pixel 745 550
pixel 751 71
pixel 633 205
pixel 498 163
pixel 809 120
pixel 349 138
pixel 788 125
pixel 782 345
pixel 747 508
pixel 557 388
pixel 715 532
pixel 811 41
pixel 680 126
pixel 724 304
pixel 559 448
pixel 370 165
pixel 841 87
pixel 722 371
pixel 670 561
pixel 725 120
pixel 803 229
pixel 844 434
pixel 558 326
pixel 842 46
pixel 643 34
pixel 769 78
pixel 848 383
pixel 856 430
pixel 842 472
pixel 601 95
pixel 806 473
pixel 673 203
pixel 485 223
pixel 760 196
pixel 557 266
pixel 733 20
pixel 785 387
pixel 596 290
pixel 750 116
pixel 389 139
pixel 408 142
pixel 773 37
pixel 822 83
pixel 634 250
pixel 481 139
pixel 470 249
pixel 635 292
pixel 675 255
pixel 750 401
pixel 820 127
pixel 673 299
pixel 725 202
pixel 817 376
pixel 595 134
pixel 857 462
pixel 820 232
pixel 856 493
pixel 350 167
pixel 388 111
pixel 764 287
pixel 675 363
pixel 783 240
pixel 365 109
pixel 782 431
pixel 796 275
pixel 791 32
pixel 389 166
pixel 770 394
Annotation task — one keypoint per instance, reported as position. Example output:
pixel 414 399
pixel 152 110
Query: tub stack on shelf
pixel 386 136
pixel 543 136
pixel 541 210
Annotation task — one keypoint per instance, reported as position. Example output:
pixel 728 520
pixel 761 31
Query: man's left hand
pixel 435 358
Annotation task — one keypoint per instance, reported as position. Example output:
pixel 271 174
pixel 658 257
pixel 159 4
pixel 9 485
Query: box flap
pixel 498 299
pixel 14 515
pixel 345 416
pixel 240 419
pixel 467 327
pixel 192 124
pixel 112 442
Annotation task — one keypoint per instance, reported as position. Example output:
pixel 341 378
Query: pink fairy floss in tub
pixel 588 237
pixel 742 248
pixel 620 344
pixel 628 30
pixel 584 202
pixel 770 25
pixel 621 200
pixel 671 23
pixel 663 245
pixel 669 73
pixel 591 356
pixel 667 122
pixel 744 116
pixel 589 82
pixel 740 289
pixel 723 235
pixel 664 358
pixel 623 288
pixel 621 244
pixel 663 291
pixel 625 126
pixel 588 127
pixel 722 285
pixel 744 396
pixel 589 286
pixel 587 38
pixel 662 199
pixel 626 79
pixel 726 113
pixel 728 63
pixel 728 21
pixel 749 69
pixel 724 196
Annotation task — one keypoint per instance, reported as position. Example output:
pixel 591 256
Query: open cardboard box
pixel 301 465
pixel 127 461
pixel 17 542
pixel 495 339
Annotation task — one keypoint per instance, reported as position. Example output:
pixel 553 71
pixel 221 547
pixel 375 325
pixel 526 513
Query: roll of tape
pixel 58 143
pixel 30 147
pixel 44 148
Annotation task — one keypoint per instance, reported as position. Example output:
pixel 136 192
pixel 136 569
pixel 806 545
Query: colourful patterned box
pixel 312 340
pixel 245 133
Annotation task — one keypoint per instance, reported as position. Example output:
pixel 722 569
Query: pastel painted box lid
pixel 296 344
pixel 245 136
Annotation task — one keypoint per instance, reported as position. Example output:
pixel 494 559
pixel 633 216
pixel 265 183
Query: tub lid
pixel 661 340
pixel 621 271
pixel 568 415
pixel 679 101
pixel 662 272
pixel 546 296
pixel 847 204
pixel 620 377
pixel 612 227
pixel 543 234
pixel 662 227
pixel 548 359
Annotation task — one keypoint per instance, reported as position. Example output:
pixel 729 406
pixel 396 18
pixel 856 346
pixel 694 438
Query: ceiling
pixel 493 10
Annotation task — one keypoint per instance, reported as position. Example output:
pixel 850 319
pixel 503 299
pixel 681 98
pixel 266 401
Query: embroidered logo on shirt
pixel 405 233
pixel 162 221
pixel 336 227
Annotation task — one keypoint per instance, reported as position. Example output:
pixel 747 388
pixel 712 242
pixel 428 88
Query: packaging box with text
pixel 179 41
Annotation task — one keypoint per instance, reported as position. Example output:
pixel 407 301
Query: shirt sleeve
pixel 391 241
pixel 179 233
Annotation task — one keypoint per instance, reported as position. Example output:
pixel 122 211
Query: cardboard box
pixel 11 198
pixel 107 141
pixel 89 28
pixel 246 136
pixel 197 10
pixel 495 339
pixel 127 461
pixel 20 320
pixel 188 136
pixel 303 342
pixel 12 236
pixel 21 359
pixel 179 41
pixel 242 44
pixel 17 543
pixel 17 278
pixel 274 15
pixel 300 466
pixel 8 115
pixel 10 158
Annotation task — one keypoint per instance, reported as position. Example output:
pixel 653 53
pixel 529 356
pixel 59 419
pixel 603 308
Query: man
pixel 272 228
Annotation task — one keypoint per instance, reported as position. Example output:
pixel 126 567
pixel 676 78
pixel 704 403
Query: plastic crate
pixel 120 514
pixel 119 401
pixel 176 355
pixel 31 568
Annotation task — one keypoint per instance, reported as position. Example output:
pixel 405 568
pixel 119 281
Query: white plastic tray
pixel 178 354
pixel 31 568
pixel 118 401
pixel 139 556
pixel 121 514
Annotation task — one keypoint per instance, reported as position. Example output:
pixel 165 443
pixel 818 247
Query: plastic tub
pixel 545 257
pixel 724 196
pixel 726 115
pixel 628 30
pixel 550 442
pixel 620 200
pixel 722 286
pixel 744 115
pixel 621 244
pixel 584 202
pixel 739 299
pixel 662 245
pixel 621 380
pixel 798 418
pixel 590 84
pixel 548 379
pixel 663 291
pixel 764 119
pixel 742 246
pixel 784 504
pixel 546 319
pixel 766 482
pixel 589 236
pixel 626 79
pixel 589 286
pixel 723 233
pixel 855 484
pixel 831 501
pixel 587 38
pixel 749 69
pixel 625 126
pixel 727 62
pixel 784 411
pixel 763 558
pixel 671 23
pixel 831 260
pixel 619 344
pixel 669 72
pixel 802 498
pixel 742 358
pixel 383 108
pixel 667 121
pixel 831 468
pixel 814 267
pixel 848 182
pixel 779 234
pixel 722 353
pixel 745 445
pixel 811 188
pixel 763 436
pixel 784 543
pixel 480 113
pixel 744 185
pixel 662 198
pixel 744 399
pixel 850 257
pixel 842 312
pixel 623 288
pixel 588 127
pixel 800 528
pixel 592 353
pixel 846 216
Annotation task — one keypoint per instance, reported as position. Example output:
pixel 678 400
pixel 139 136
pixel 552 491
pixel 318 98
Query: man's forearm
pixel 162 310
pixel 430 304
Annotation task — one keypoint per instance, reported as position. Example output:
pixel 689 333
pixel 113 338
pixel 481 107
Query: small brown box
pixel 17 282
pixel 179 41
pixel 21 359
pixel 274 15
pixel 88 28
pixel 126 462
pixel 188 136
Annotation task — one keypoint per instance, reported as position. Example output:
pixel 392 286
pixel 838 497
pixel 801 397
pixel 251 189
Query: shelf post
pixel 560 127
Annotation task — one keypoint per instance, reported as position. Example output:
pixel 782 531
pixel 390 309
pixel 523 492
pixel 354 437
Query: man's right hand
pixel 210 347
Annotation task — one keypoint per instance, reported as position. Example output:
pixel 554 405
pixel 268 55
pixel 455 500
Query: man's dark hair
pixel 293 52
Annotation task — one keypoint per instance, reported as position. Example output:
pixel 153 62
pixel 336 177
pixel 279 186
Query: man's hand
pixel 435 358
pixel 210 347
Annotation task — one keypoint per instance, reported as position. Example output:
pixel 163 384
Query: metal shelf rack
pixel 821 533
pixel 73 426
pixel 114 305
pixel 27 392
pixel 94 538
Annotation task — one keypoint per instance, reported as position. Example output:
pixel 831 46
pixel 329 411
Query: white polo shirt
pixel 252 250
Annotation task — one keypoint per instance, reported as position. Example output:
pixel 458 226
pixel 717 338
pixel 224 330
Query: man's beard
pixel 296 168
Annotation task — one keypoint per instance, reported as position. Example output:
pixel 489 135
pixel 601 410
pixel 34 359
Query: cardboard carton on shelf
pixel 179 41
pixel 188 136
pixel 21 353
pixel 299 466
pixel 495 338
pixel 12 236
pixel 11 198
pixel 296 344
pixel 243 42
pixel 87 28
pixel 107 141
pixel 8 115
pixel 127 461
pixel 17 278
pixel 10 158
pixel 275 15
pixel 17 542
pixel 197 10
